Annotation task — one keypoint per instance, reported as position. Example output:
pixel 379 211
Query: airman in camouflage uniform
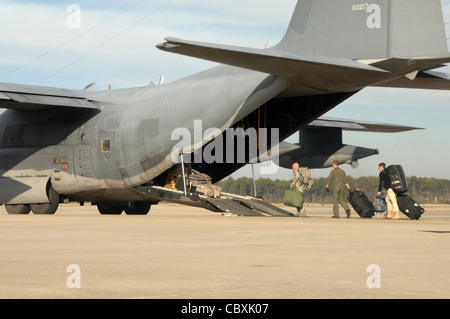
pixel 302 182
pixel 338 181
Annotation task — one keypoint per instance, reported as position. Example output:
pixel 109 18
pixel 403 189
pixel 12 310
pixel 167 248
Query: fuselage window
pixel 106 146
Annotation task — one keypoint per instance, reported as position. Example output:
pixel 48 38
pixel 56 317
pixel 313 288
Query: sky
pixel 57 44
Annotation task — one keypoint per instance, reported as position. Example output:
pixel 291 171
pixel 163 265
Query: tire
pixel 138 208
pixel 18 209
pixel 110 210
pixel 47 209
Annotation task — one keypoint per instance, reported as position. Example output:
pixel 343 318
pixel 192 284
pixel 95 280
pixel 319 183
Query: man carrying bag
pixel 301 183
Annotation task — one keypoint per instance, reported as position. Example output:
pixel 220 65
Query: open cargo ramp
pixel 226 203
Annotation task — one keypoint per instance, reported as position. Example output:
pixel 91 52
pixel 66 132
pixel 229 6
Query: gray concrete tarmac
pixel 185 252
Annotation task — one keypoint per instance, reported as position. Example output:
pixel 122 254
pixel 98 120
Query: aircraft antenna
pixel 106 41
pixel 71 40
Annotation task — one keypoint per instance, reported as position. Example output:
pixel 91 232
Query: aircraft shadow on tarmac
pixel 436 231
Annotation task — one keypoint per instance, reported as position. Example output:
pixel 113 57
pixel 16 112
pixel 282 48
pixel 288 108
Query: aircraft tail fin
pixel 344 29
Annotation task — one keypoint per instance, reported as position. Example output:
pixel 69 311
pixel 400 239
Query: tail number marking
pixel 360 7
pixel 374 10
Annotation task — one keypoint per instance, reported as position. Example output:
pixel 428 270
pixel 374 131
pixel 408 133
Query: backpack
pixel 306 176
pixel 397 176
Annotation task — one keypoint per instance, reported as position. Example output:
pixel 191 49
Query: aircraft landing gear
pixel 47 209
pixel 18 209
pixel 138 208
pixel 105 209
pixel 39 209
pixel 132 208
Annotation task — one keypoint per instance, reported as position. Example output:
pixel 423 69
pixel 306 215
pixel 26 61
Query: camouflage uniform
pixel 303 183
pixel 302 179
pixel 337 181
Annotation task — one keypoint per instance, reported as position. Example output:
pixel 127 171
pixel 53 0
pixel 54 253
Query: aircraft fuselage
pixel 96 155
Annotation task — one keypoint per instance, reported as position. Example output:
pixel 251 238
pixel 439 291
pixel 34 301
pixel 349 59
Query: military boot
pixel 396 216
pixel 303 213
pixel 300 213
pixel 388 215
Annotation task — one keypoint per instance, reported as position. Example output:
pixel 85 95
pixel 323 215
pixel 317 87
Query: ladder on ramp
pixel 231 206
pixel 247 206
pixel 262 206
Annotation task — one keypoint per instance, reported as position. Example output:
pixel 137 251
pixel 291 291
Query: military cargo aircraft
pixel 116 148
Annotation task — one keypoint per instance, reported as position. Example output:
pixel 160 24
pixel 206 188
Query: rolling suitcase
pixel 361 204
pixel 409 207
pixel 397 175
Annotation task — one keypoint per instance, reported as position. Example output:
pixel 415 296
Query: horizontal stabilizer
pixel 409 65
pixel 429 80
pixel 270 61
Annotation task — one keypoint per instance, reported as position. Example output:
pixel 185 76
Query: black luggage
pixel 409 207
pixel 361 204
pixel 398 179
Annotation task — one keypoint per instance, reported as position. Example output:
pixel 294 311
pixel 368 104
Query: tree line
pixel 423 190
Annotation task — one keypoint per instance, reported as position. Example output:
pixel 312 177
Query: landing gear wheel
pixel 17 209
pixel 138 208
pixel 109 210
pixel 47 209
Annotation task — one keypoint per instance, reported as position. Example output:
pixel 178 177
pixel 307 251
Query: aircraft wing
pixel 279 63
pixel 34 98
pixel 361 126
